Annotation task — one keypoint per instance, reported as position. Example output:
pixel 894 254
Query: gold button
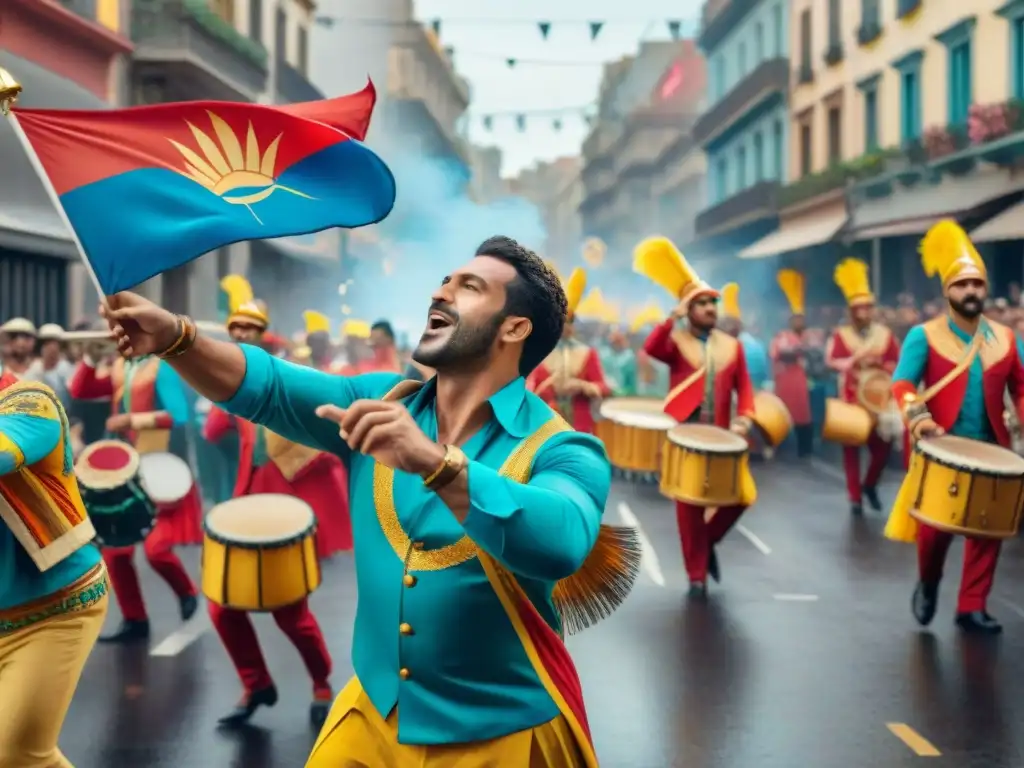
pixel 403 673
pixel 409 580
pixel 405 629
pixel 418 545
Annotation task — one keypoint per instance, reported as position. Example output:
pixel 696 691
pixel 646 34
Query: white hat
pixel 50 332
pixel 19 325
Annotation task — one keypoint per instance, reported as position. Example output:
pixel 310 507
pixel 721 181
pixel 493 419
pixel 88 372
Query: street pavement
pixel 805 655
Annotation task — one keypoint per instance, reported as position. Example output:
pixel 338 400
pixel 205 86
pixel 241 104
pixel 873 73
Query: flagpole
pixel 9 91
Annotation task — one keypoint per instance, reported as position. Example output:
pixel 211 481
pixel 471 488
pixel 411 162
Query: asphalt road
pixel 805 655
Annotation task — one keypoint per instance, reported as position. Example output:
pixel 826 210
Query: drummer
pixel 322 485
pixel 691 353
pixel 571 380
pixel 980 360
pixel 854 351
pixel 150 410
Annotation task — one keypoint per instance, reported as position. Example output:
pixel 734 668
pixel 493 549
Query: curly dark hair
pixel 536 293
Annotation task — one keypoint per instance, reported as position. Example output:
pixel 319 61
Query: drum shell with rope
pixel 109 478
pixel 772 419
pixel 633 430
pixel 846 423
pixel 259 552
pixel 967 487
pixel 874 390
pixel 703 465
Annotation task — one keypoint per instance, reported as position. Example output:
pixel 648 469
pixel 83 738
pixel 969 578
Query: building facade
pixel 66 55
pixel 486 183
pixel 744 129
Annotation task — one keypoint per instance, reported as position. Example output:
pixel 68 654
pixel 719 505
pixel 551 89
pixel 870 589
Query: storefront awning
pixel 1008 225
pixel 803 233
pixel 896 229
pixel 28 219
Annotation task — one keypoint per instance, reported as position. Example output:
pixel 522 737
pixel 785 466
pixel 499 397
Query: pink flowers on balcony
pixel 988 122
pixel 938 142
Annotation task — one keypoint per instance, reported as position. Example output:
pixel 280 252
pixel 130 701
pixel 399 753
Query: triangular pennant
pixel 545 28
pixel 557 124
pixel 436 26
pixel 511 63
pixel 449 51
pixel 674 28
pixel 521 123
pixel 589 119
pixel 595 29
pixel 488 122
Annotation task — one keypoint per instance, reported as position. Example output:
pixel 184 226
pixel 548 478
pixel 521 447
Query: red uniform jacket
pixel 790 376
pixel 846 342
pixel 1003 372
pixel 687 358
pixel 571 360
pixel 315 477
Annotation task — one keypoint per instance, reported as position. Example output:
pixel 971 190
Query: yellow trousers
pixel 356 736
pixel 39 670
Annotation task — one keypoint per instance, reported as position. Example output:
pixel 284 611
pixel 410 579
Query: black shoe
pixel 978 622
pixel 188 606
pixel 698 590
pixel 319 710
pixel 713 568
pixel 129 632
pixel 246 708
pixel 856 510
pixel 924 603
pixel 871 494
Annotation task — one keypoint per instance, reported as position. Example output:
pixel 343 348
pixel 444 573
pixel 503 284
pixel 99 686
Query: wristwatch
pixel 453 463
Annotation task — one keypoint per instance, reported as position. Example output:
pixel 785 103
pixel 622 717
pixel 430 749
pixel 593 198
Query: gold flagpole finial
pixel 9 90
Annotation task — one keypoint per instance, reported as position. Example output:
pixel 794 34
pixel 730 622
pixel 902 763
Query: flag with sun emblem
pixel 148 189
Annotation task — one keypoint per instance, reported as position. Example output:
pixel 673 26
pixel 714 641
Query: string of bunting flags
pixel 556 118
pixel 674 26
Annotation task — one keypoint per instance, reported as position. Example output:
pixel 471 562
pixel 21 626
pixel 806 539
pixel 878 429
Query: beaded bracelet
pixel 186 338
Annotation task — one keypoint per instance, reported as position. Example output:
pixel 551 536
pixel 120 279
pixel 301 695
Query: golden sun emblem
pixel 235 176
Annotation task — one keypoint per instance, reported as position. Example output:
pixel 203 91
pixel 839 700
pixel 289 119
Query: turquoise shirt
pixel 469 677
pixel 756 356
pixel 620 372
pixel 973 420
pixel 20 579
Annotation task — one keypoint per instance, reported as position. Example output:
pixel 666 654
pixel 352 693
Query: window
pixel 741 56
pixel 719 76
pixel 805 39
pixel 741 168
pixel 303 54
pixel 1017 57
pixel 835 135
pixel 256 20
pixel 835 34
pixel 806 150
pixel 871 118
pixel 870 15
pixel 225 9
pixel 778 151
pixel 721 179
pixel 758 43
pixel 281 35
pixel 777 31
pixel 910 105
pixel 758 157
pixel 959 83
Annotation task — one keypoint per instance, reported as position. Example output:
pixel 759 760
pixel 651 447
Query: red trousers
pixel 698 537
pixel 980 558
pixel 878 450
pixel 159 549
pixel 296 621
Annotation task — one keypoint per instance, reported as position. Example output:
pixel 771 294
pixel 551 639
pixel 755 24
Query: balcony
pixel 293 86
pixel 750 205
pixel 186 51
pixel 833 54
pixel 84 8
pixel 905 8
pixel 770 78
pixel 804 74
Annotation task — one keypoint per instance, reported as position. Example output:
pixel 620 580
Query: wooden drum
pixel 701 465
pixel 846 423
pixel 633 430
pixel 772 419
pixel 259 552
pixel 967 487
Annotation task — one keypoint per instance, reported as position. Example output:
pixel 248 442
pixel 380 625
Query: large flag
pixel 350 113
pixel 148 189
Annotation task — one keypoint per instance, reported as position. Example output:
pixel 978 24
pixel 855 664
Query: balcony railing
pixel 753 203
pixel 84 8
pixel 189 32
pixel 719 18
pixel 772 76
pixel 293 86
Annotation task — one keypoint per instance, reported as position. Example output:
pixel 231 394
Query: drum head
pixel 640 412
pixel 260 519
pixel 166 478
pixel 707 438
pixel 106 464
pixel 874 390
pixel 972 455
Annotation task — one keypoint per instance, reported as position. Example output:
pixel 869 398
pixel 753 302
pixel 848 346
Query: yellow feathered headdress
pixel 657 259
pixel 242 307
pixel 316 322
pixel 592 306
pixel 358 329
pixel 574 287
pixel 793 285
pixel 948 252
pixel 731 301
pixel 851 276
pixel 651 314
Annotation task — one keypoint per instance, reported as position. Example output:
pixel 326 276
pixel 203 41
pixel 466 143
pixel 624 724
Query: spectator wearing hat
pixel 19 346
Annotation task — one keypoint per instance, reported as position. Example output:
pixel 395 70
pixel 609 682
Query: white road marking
pixel 753 539
pixel 796 598
pixel 1012 606
pixel 828 469
pixel 648 556
pixel 183 636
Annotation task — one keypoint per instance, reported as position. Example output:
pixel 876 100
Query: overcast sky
pixel 484 33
